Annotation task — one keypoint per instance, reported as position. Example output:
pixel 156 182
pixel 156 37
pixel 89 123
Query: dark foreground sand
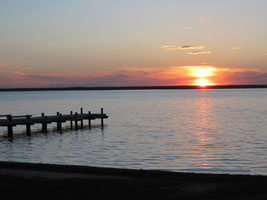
pixel 46 181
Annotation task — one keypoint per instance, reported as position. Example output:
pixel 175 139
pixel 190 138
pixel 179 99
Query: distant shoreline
pixel 135 88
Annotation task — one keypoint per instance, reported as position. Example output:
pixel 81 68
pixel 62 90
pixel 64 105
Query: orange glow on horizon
pixel 201 75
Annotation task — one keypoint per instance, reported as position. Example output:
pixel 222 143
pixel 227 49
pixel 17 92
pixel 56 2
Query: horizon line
pixel 133 87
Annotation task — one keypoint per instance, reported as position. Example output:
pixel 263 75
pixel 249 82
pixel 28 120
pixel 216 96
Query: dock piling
pixel 28 125
pixel 102 119
pixel 89 119
pixel 59 123
pixel 44 124
pixel 76 121
pixel 10 131
pixel 81 119
pixel 71 124
pixel 10 127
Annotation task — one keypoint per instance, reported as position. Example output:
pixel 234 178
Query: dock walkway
pixel 10 121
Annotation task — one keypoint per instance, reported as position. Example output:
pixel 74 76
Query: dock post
pixel 10 131
pixel 44 124
pixel 71 126
pixel 44 127
pixel 10 127
pixel 89 119
pixel 102 119
pixel 28 125
pixel 81 120
pixel 59 124
pixel 76 121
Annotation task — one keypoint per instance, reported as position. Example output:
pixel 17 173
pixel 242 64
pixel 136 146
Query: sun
pixel 201 75
pixel 202 72
pixel 202 82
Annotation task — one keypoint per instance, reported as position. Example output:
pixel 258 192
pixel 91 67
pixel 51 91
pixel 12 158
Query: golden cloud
pixel 236 48
pixel 184 47
pixel 169 48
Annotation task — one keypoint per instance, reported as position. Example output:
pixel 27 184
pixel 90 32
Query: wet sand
pixel 48 181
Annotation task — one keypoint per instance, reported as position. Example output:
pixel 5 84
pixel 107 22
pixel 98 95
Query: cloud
pixel 169 48
pixel 29 68
pixel 19 73
pixel 129 76
pixel 47 77
pixel 244 76
pixel 6 64
pixel 199 52
pixel 236 48
pixel 184 47
pixel 202 21
pixel 126 76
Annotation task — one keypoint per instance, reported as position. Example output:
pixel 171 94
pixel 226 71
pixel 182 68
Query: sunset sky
pixel 56 43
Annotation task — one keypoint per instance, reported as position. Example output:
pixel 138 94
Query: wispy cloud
pixel 6 64
pixel 203 21
pixel 169 47
pixel 126 76
pixel 236 48
pixel 184 47
pixel 243 76
pixel 199 52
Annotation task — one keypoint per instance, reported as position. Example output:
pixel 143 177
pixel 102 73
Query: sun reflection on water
pixel 204 135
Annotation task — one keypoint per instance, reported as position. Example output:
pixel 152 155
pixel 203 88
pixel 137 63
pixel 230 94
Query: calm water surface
pixel 215 131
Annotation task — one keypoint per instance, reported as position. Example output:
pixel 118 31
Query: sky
pixel 60 43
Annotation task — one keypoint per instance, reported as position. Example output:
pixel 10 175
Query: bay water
pixel 208 131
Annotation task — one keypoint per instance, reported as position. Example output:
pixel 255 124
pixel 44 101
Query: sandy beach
pixel 49 181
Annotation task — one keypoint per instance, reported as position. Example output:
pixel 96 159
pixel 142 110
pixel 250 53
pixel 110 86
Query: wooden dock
pixel 11 121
